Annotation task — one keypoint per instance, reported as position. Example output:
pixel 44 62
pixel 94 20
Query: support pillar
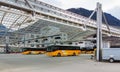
pixel 99 32
pixel 7 49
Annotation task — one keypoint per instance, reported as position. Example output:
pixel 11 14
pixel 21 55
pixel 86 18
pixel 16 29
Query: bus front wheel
pixel 74 54
pixel 58 55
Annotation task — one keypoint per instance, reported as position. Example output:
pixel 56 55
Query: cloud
pixel 115 11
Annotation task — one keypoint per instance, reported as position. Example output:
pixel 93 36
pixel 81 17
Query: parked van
pixel 111 54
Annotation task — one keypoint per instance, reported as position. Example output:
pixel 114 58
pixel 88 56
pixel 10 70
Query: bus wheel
pixel 74 54
pixel 111 60
pixel 58 55
pixel 29 53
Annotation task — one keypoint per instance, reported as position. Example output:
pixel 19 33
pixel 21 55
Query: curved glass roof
pixel 13 21
pixel 17 21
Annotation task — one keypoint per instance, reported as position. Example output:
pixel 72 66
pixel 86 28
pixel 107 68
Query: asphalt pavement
pixel 43 63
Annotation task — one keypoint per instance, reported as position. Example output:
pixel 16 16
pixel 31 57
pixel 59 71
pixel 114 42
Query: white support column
pixel 99 31
pixel 24 40
pixel 7 44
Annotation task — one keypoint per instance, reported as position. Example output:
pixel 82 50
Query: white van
pixel 111 54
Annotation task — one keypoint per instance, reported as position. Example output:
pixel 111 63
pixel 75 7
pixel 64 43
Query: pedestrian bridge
pixel 29 16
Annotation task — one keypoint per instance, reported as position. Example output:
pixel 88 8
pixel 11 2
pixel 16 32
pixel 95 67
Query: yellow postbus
pixel 27 51
pixel 58 50
pixel 87 50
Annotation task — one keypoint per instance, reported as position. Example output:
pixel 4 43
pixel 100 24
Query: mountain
pixel 84 12
pixel 3 30
pixel 2 27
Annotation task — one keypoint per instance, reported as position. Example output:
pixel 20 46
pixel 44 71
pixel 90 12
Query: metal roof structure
pixel 18 24
pixel 29 16
pixel 12 22
pixel 71 31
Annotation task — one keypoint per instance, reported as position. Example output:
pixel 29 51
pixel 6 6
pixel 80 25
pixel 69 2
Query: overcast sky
pixel 109 6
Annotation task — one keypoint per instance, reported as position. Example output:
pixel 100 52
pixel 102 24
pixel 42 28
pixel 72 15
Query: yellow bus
pixel 27 51
pixel 58 50
pixel 87 50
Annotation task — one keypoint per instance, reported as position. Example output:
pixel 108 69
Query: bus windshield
pixel 24 49
pixel 50 48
